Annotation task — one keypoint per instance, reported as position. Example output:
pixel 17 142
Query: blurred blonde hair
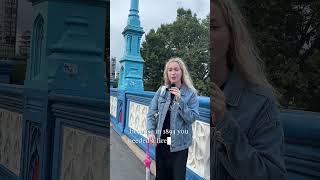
pixel 185 78
pixel 243 53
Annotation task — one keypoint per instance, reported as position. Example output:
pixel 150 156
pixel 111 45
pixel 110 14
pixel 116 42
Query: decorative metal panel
pixel 113 106
pixel 37 47
pixel 34 152
pixel 84 156
pixel 138 118
pixel 10 140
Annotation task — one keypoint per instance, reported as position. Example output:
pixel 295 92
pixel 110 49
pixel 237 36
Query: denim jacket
pixel 248 143
pixel 183 113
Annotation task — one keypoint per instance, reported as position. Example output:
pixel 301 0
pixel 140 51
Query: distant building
pixel 113 68
pixel 8 24
pixel 24 44
pixel 117 75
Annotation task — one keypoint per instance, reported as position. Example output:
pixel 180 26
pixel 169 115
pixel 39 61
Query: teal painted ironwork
pixel 67 54
pixel 131 71
pixel 67 62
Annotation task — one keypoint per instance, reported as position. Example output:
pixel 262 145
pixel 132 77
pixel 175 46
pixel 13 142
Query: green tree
pixel 188 38
pixel 287 34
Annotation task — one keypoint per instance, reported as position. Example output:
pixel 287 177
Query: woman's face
pixel 174 72
pixel 219 34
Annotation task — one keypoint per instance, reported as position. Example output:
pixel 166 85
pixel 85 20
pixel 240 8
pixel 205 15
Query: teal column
pixel 131 70
pixel 66 58
pixel 67 48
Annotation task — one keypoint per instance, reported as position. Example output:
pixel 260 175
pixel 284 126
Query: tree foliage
pixel 287 34
pixel 188 38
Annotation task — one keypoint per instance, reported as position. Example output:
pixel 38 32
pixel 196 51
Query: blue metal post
pixel 131 70
pixel 131 73
pixel 67 58
pixel 67 53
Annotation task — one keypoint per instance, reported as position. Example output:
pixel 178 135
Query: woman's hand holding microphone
pixel 176 92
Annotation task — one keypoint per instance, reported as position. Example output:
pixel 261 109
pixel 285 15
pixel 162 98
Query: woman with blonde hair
pixel 246 134
pixel 172 111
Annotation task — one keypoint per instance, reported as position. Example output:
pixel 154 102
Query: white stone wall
pixel 138 118
pixel 113 106
pixel 199 152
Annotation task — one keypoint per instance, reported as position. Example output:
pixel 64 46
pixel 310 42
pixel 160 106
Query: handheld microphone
pixel 171 86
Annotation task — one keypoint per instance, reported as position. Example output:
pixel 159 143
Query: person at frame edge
pixel 246 135
pixel 175 108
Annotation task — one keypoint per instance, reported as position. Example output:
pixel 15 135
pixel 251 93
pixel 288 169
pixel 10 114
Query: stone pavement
pixel 124 164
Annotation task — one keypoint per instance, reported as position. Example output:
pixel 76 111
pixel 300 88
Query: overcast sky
pixel 152 13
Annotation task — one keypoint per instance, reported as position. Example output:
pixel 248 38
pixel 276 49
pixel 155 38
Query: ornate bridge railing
pixel 51 136
pixel 302 134
pixel 128 113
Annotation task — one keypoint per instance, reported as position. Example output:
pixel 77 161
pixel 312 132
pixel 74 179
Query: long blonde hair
pixel 185 78
pixel 243 53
